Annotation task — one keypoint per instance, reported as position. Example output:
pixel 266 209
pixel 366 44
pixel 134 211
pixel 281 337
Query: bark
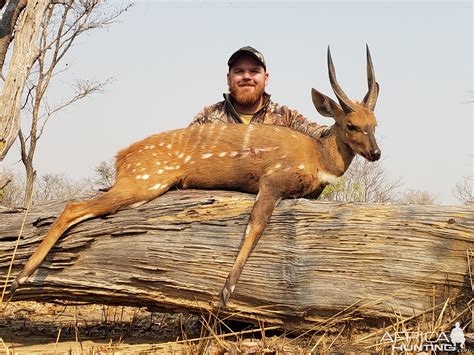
pixel 7 24
pixel 25 52
pixel 314 260
pixel 4 181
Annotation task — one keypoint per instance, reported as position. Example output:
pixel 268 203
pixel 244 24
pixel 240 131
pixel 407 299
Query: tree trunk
pixel 29 184
pixel 25 52
pixel 314 260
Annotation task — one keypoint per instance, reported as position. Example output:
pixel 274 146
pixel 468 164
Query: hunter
pixel 247 102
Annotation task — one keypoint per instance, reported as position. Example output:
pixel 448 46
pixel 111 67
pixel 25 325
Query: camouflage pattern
pixel 270 113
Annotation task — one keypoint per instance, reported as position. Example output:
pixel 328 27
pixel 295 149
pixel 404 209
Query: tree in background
pixel 104 176
pixel 363 182
pixel 417 197
pixel 49 187
pixel 64 21
pixel 463 190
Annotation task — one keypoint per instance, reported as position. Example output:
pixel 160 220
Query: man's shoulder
pixel 274 107
pixel 218 106
pixel 210 113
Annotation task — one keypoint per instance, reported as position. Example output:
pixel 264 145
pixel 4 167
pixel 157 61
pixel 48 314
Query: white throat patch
pixel 327 178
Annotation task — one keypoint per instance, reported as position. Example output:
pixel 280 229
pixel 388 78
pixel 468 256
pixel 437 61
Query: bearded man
pixel 247 102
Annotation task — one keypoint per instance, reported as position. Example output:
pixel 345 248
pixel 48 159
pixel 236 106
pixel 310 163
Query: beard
pixel 246 95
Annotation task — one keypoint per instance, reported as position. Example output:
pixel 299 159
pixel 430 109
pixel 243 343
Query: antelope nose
pixel 375 154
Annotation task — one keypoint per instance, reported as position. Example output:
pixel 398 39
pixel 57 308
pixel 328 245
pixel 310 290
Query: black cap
pixel 248 51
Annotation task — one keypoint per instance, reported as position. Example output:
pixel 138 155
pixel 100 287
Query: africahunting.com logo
pixel 426 341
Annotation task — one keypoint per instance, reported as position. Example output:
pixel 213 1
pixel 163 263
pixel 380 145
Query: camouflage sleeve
pixel 200 117
pixel 208 114
pixel 304 125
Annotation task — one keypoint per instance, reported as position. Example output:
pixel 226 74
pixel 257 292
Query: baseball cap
pixel 249 51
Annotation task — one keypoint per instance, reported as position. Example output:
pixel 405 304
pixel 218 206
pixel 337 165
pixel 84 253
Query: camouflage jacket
pixel 270 113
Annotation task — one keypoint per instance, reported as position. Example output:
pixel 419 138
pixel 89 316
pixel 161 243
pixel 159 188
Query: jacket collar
pixel 230 106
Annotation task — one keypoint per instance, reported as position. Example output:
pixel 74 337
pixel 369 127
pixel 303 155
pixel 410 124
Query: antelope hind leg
pixel 262 210
pixel 110 202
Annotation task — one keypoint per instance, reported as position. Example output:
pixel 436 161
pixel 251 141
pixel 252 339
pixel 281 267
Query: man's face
pixel 247 80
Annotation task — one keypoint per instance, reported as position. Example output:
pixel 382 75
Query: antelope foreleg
pixel 261 212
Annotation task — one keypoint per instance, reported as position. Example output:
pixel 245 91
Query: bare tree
pixel 58 186
pixel 63 22
pixel 464 191
pixel 363 182
pixel 417 197
pixel 20 23
pixel 12 194
pixel 46 188
pixel 104 175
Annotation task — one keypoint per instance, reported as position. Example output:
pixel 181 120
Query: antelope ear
pixel 325 105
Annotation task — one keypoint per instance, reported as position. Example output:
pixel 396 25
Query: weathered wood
pixel 314 260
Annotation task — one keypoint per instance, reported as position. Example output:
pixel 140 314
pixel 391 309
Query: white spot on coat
pixel 160 171
pixel 145 177
pixel 250 128
pixel 206 155
pixel 277 166
pixel 169 146
pixel 223 154
pixel 301 166
pixel 188 158
pixel 233 154
pixel 267 149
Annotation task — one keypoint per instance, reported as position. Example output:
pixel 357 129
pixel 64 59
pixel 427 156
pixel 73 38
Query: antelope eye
pixel 351 127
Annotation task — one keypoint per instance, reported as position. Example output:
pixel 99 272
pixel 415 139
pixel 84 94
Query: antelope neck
pixel 336 155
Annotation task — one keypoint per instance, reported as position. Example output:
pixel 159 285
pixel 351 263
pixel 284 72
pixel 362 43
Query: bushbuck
pixel 273 162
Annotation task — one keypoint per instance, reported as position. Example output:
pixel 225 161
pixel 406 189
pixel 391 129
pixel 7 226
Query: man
pixel 247 102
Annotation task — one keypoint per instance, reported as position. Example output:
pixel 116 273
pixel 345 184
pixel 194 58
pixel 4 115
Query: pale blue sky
pixel 169 60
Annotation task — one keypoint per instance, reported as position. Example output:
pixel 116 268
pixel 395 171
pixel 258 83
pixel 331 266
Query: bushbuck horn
pixel 370 98
pixel 344 101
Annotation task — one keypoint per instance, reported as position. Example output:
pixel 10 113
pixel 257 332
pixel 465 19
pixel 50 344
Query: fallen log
pixel 314 260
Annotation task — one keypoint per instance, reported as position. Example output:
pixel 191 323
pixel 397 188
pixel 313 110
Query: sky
pixel 168 60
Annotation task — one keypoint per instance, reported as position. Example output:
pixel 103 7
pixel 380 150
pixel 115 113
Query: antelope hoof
pixel 225 294
pixel 14 285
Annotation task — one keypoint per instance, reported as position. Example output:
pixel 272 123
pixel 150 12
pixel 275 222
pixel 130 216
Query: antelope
pixel 273 162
